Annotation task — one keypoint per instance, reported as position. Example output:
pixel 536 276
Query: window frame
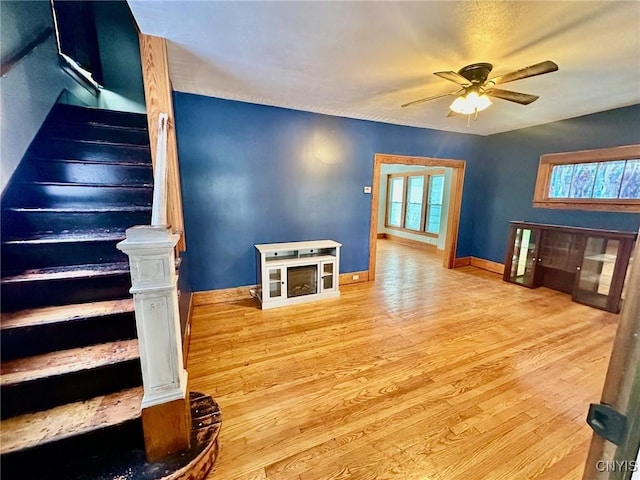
pixel 548 161
pixel 426 174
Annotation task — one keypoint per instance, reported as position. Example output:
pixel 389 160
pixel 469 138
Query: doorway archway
pixel 455 202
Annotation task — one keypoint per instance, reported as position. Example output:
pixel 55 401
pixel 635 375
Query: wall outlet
pixel 367 189
pixel 355 277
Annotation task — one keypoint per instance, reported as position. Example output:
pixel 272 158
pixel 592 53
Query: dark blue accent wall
pixel 510 162
pixel 258 174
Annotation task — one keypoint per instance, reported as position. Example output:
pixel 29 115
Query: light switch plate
pixel 367 189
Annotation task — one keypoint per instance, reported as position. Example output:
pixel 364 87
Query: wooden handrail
pixel 14 59
pixel 159 208
pixel 158 98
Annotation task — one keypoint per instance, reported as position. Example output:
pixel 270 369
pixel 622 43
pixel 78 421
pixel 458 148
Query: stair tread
pixel 93 185
pixel 33 429
pixel 123 162
pixel 83 209
pixel 67 361
pixel 97 124
pixel 136 146
pixel 46 315
pixel 66 237
pixel 69 272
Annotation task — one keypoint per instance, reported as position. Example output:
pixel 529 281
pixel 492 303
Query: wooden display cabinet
pixel 589 264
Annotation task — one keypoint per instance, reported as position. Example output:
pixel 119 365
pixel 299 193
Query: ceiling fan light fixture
pixel 470 103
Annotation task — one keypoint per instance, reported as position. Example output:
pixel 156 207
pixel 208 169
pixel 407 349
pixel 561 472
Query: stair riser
pixel 94 452
pixel 68 196
pixel 32 294
pixel 39 339
pixel 104 133
pixel 25 256
pixel 61 171
pixel 71 113
pixel 17 223
pixel 74 387
pixel 62 149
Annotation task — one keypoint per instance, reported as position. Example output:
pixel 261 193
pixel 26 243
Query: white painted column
pixel 155 294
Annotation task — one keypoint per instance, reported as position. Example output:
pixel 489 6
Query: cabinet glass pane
pixel 413 215
pixel 560 250
pixel 275 282
pixel 522 262
pixel 275 289
pixel 327 276
pixel 597 269
pixel 274 275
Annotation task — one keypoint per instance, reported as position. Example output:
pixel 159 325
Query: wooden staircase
pixel 71 380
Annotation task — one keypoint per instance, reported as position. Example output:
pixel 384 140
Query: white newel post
pixel 155 294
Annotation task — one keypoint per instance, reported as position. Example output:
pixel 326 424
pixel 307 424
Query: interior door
pixel 613 455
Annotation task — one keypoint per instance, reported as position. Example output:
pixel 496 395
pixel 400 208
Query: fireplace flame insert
pixel 302 280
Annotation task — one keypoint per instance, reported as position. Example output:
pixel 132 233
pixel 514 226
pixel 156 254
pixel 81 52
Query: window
pixel 77 39
pixel 395 201
pixel 414 201
pixel 434 204
pixel 605 179
pixel 413 216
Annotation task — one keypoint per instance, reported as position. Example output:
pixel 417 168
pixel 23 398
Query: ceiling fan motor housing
pixel 476 73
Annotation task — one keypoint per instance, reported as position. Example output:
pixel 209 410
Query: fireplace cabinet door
pixel 328 276
pixel 275 285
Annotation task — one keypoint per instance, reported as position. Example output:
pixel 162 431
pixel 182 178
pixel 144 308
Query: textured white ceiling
pixel 364 59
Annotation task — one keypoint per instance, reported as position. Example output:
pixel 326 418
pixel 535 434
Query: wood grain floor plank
pixel 425 373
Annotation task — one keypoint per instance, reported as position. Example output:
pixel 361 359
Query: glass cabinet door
pixel 276 282
pixel 523 259
pixel 328 276
pixel 595 277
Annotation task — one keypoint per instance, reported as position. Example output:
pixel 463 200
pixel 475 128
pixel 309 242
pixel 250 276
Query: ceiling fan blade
pixel 517 97
pixel 538 69
pixel 453 77
pixel 422 100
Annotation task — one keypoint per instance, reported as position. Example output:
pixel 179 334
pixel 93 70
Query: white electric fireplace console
pixel 297 272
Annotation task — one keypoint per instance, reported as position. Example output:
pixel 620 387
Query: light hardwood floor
pixel 425 374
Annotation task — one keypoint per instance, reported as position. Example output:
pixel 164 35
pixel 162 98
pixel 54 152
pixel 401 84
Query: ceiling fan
pixel 476 88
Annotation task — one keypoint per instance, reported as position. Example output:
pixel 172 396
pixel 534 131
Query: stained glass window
pixel 631 180
pixel 606 179
pixel 560 181
pixel 601 180
pixel 583 180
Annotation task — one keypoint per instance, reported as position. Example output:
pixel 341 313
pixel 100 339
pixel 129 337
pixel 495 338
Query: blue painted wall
pixel 257 174
pixel 510 163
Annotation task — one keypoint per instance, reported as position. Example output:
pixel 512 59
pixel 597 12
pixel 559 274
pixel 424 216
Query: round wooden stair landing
pixel 117 453
pixel 195 463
